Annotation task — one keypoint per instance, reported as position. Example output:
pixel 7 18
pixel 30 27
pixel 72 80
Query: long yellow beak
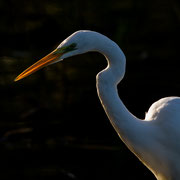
pixel 45 61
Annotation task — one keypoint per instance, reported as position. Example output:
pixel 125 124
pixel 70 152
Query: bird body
pixel 164 115
pixel 155 140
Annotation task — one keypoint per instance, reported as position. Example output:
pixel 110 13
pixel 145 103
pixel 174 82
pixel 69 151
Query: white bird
pixel 154 140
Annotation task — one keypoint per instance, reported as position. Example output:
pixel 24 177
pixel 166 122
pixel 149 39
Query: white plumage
pixel 155 140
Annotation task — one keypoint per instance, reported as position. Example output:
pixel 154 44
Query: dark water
pixel 72 160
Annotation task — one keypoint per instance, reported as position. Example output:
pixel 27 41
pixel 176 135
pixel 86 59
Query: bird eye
pixel 66 49
pixel 73 46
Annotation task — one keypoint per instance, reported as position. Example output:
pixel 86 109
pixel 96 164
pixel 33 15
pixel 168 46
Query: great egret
pixel 154 140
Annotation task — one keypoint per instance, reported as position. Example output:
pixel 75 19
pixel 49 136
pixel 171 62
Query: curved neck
pixel 125 124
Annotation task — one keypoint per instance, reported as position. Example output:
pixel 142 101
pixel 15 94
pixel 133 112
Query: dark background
pixel 52 125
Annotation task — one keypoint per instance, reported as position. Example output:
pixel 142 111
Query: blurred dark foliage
pixel 52 125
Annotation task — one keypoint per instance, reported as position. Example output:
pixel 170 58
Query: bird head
pixel 78 43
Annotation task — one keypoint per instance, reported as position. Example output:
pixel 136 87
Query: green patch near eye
pixel 71 47
pixel 66 49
